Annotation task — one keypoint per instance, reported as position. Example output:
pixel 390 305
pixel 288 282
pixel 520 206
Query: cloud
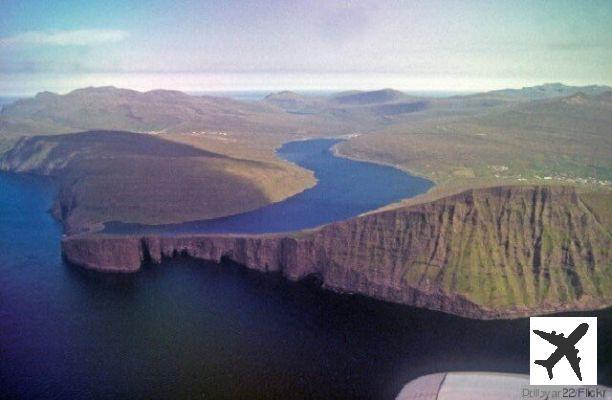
pixel 80 37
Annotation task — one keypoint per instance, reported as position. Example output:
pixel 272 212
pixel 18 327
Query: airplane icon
pixel 566 347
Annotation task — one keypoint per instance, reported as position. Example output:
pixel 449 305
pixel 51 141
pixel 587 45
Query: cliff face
pixel 486 253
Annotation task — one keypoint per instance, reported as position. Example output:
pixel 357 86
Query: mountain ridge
pixel 109 107
pixel 544 91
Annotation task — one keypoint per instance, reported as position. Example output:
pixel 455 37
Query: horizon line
pixel 198 89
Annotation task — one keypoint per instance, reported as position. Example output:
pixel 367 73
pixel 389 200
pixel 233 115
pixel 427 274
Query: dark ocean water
pixel 194 330
pixel 345 189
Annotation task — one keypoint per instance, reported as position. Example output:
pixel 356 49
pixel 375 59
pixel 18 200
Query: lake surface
pixel 186 329
pixel 345 188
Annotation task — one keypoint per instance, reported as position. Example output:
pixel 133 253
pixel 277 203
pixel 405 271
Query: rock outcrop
pixel 485 253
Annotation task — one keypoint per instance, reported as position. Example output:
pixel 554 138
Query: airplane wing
pixel 557 340
pixel 574 361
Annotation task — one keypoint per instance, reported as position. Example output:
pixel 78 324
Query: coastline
pixel 381 254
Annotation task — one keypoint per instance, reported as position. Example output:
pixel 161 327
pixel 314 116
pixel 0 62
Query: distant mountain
pixel 565 139
pixel 113 108
pixel 110 108
pixel 288 99
pixel 545 91
pixel 371 97
pixel 604 98
pixel 352 107
pixel 285 95
pixel 296 102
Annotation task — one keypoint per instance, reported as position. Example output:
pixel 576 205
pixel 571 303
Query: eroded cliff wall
pixel 484 253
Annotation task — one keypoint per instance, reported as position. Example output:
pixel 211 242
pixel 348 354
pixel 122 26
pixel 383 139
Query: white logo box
pixel 556 358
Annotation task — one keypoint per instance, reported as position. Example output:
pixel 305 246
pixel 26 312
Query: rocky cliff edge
pixel 499 252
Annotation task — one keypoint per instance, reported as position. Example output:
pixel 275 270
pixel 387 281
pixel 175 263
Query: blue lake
pixel 345 188
pixel 196 330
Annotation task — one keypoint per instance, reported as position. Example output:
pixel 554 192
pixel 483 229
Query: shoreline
pixel 371 265
pixel 301 210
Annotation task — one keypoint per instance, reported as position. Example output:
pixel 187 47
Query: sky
pixel 302 45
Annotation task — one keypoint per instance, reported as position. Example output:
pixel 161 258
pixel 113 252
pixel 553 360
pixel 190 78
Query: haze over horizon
pixel 302 45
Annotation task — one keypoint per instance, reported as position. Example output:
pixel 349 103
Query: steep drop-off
pixel 485 253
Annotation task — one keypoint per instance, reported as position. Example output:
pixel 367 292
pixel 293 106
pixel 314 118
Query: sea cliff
pixel 499 252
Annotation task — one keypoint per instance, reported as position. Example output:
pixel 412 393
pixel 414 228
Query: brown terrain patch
pixel 123 176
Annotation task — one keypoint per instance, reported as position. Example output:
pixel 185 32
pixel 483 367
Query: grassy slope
pixel 564 139
pixel 503 248
pixel 148 179
pixel 497 268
